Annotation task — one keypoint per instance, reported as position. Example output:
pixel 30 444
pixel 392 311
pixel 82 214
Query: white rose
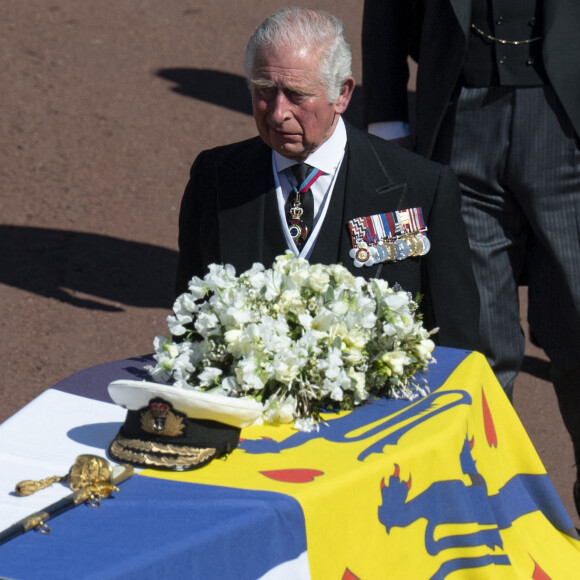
pixel 356 339
pixel 286 367
pixel 359 388
pixel 277 410
pixel 206 324
pixel 207 377
pixel 299 273
pixel 396 360
pixel 424 349
pixel 319 280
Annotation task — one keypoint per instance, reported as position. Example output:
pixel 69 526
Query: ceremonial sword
pixel 91 478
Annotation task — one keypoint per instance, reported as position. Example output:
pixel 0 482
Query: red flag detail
pixel 490 433
pixel 348 575
pixel 293 475
pixel 539 574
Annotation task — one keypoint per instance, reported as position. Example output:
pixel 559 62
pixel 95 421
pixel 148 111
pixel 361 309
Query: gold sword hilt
pixel 91 478
pixel 87 470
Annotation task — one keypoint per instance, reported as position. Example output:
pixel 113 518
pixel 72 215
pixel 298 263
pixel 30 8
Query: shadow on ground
pixel 59 264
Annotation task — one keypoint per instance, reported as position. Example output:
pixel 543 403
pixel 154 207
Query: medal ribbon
pixel 309 181
pixel 386 226
pixel 301 223
pixel 387 237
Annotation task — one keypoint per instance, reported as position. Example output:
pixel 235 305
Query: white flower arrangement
pixel 299 338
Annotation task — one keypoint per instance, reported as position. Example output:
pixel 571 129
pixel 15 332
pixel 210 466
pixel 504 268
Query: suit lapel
pixel 371 188
pixel 369 182
pixel 364 187
pixel 462 9
pixel 326 249
pixel 560 53
pixel 274 242
pixel 246 194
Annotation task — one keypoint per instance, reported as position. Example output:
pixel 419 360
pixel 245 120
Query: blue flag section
pixel 160 529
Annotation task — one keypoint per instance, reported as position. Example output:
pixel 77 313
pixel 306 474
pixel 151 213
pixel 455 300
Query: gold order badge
pixel 362 255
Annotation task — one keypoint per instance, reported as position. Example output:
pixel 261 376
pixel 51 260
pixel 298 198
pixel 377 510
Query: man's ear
pixel 345 95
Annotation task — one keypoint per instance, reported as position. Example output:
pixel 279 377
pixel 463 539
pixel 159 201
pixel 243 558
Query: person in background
pixel 498 99
pixel 361 201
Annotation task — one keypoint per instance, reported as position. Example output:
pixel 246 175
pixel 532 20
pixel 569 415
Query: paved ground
pixel 104 106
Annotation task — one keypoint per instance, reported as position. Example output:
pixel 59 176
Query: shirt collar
pixel 326 157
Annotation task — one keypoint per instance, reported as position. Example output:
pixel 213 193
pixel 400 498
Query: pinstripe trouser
pixel 518 161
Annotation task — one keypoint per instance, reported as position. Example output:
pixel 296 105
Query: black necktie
pixel 300 205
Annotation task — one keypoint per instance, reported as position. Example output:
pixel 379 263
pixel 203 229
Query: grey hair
pixel 313 29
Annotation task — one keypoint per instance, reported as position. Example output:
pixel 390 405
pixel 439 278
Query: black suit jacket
pixel 229 214
pixel 434 33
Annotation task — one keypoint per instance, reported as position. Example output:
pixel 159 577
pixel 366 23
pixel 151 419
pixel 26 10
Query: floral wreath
pixel 299 338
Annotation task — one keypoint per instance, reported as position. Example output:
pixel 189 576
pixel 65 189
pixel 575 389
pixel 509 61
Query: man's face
pixel 290 102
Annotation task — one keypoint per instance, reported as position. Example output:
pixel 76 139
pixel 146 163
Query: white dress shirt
pixel 327 158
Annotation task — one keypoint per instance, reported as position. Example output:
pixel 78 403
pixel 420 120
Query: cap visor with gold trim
pixel 177 429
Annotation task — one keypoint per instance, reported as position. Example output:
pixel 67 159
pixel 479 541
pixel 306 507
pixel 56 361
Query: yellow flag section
pixel 446 487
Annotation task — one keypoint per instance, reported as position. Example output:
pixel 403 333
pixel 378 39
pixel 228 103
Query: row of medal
pixel 388 237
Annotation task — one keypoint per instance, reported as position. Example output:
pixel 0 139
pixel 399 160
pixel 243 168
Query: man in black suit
pixel 498 98
pixel 243 203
